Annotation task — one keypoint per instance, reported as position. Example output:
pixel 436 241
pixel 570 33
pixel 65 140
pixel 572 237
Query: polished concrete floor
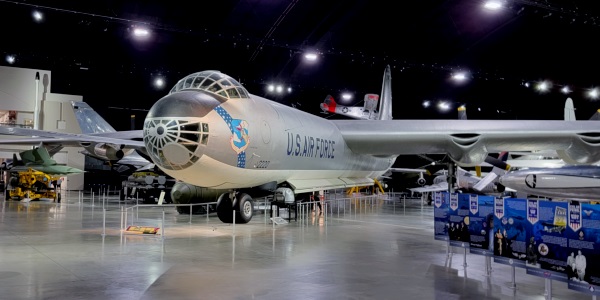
pixel 358 250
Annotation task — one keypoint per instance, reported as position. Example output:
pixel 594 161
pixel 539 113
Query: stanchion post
pixel 104 222
pixel 513 284
pixel 163 224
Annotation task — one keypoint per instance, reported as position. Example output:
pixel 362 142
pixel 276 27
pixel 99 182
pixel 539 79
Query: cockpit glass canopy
pixel 214 82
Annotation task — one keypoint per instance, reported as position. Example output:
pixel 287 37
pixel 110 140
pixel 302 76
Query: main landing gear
pixel 241 204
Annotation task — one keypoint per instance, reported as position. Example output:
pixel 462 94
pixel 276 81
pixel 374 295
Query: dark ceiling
pixel 89 49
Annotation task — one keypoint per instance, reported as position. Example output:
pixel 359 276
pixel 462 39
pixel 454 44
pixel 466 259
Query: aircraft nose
pixel 509 180
pixel 175 135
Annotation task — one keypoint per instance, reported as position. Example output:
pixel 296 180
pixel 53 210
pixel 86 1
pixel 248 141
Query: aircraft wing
pixel 468 142
pixel 26 136
pixel 438 187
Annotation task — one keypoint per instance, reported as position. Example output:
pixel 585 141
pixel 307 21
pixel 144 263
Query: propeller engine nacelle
pixel 107 151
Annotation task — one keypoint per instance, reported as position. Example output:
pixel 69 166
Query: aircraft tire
pixel 225 208
pixel 244 209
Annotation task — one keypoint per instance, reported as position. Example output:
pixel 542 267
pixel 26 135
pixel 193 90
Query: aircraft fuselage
pixel 570 182
pixel 211 141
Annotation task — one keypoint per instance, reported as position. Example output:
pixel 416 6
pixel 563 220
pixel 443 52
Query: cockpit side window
pixel 233 93
pixel 207 82
pixel 188 82
pixel 197 82
pixel 223 93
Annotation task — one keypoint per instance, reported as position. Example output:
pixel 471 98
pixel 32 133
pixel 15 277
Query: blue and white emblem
pixel 240 138
pixel 239 135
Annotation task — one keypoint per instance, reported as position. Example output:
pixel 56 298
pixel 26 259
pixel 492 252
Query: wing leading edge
pixel 468 142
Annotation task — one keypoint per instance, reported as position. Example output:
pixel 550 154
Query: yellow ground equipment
pixel 376 187
pixel 32 184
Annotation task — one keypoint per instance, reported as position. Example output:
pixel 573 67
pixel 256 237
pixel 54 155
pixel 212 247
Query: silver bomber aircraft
pixel 230 145
pixel 209 131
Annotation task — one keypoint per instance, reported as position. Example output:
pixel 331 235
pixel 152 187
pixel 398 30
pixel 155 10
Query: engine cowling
pixel 106 152
pixel 579 156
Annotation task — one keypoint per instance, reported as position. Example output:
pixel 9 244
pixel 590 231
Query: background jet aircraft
pixel 367 112
pixel 210 132
pixel 39 160
pixel 98 138
pixel 567 182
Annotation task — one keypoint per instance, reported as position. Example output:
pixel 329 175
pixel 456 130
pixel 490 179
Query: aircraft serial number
pixel 308 146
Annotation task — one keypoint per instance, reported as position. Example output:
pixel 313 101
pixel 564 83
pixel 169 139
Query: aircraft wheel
pixel 225 208
pixel 244 209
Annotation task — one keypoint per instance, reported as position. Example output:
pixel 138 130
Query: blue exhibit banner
pixel 458 220
pixel 583 260
pixel 481 224
pixel 547 242
pixel 440 216
pixel 510 231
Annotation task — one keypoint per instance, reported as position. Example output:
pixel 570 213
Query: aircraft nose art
pixel 175 133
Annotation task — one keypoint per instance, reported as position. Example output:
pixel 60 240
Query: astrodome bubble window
pixel 214 82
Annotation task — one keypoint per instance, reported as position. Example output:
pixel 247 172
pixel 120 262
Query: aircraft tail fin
pixel 38 155
pixel 596 116
pixel 16 161
pixel 328 104
pixel 569 110
pixel 385 105
pixel 89 120
pixel 462 113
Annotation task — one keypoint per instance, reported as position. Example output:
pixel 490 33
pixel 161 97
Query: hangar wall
pixel 18 92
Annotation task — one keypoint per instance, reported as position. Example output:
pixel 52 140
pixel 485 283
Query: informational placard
pixel 510 231
pixel 547 243
pixel 481 224
pixel 440 215
pixel 583 233
pixel 458 219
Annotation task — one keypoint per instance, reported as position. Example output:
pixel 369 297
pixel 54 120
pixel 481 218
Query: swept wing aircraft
pixel 98 138
pixel 209 131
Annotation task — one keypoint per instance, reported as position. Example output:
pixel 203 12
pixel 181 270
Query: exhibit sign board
pixel 510 231
pixel 440 215
pixel 458 216
pixel 547 242
pixel 481 224
pixel 583 234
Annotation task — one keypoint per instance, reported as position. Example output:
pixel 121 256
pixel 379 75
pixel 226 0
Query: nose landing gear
pixel 241 205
